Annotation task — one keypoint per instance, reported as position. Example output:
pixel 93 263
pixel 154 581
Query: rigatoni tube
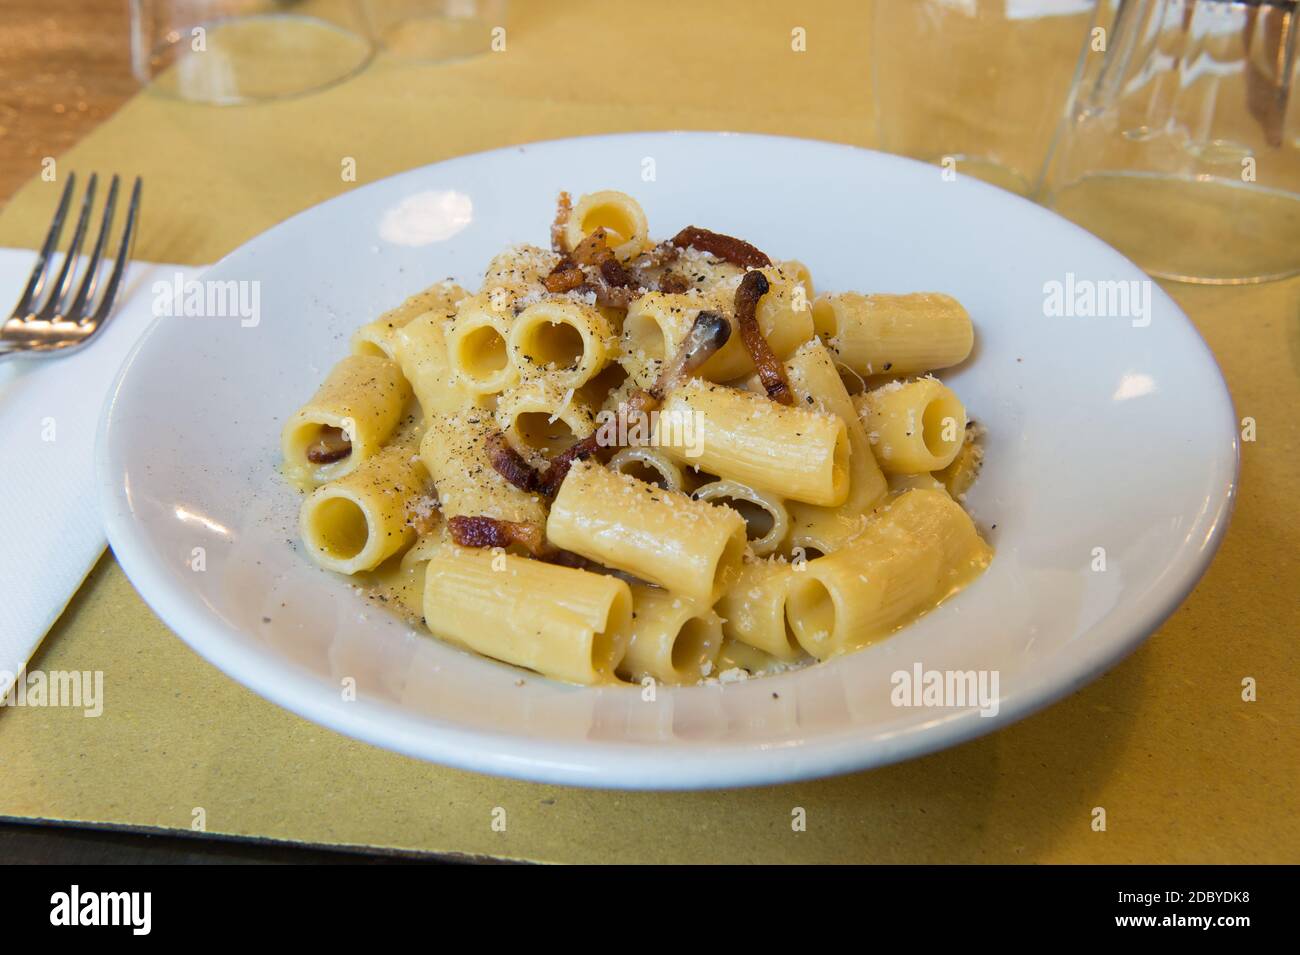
pixel 965 468
pixel 784 317
pixel 455 451
pixel 380 336
pixel 801 275
pixel 916 551
pixel 359 521
pixel 354 411
pixel 655 327
pixel 675 640
pixel 748 438
pixel 753 609
pixel 420 347
pixel 661 536
pixel 650 465
pixel 476 346
pixel 540 418
pixel 766 520
pixel 894 334
pixel 560 621
pixel 817 385
pixel 570 343
pixel 621 216
pixel 913 426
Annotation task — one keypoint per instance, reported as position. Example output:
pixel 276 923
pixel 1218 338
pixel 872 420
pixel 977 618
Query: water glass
pixel 226 52
pixel 1179 146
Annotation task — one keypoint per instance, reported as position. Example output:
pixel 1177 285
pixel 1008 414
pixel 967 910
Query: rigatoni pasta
pixel 958 476
pixel 355 410
pixel 913 426
pixel 684 545
pixel 767 522
pixel 744 436
pixel 618 214
pixel 919 550
pixel 649 465
pixel 622 460
pixel 489 603
pixel 567 341
pixel 420 349
pixel 541 417
pixel 784 318
pixel 476 347
pixel 362 519
pixel 674 640
pixel 753 611
pixel 894 334
pixel 817 385
pixel 456 454
pixel 380 336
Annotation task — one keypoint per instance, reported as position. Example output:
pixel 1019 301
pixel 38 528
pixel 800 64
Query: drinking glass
pixel 976 85
pixel 1179 143
pixel 238 51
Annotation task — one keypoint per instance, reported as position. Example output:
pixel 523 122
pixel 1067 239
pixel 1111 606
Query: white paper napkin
pixel 50 530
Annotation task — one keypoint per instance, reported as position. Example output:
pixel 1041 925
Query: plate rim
pixel 622 765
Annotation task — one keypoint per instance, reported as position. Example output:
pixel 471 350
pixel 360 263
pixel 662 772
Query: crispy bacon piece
pixel 604 275
pixel 507 462
pixel 490 532
pixel 588 251
pixel 726 247
pixel 593 251
pixel 555 473
pixel 332 445
pixel 565 277
pixel 593 267
pixel 563 209
pixel 612 271
pixel 659 257
pixel 483 531
pixel 770 370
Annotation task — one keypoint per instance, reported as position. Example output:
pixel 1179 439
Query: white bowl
pixel 1108 437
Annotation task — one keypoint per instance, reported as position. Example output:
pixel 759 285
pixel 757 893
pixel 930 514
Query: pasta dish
pixel 627 460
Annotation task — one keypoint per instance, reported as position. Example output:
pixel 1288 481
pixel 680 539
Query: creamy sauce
pixel 398 589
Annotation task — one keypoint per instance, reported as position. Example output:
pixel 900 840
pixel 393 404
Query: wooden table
pixel 65 67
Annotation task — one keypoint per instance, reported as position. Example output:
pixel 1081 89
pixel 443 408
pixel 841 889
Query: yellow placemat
pixel 1186 770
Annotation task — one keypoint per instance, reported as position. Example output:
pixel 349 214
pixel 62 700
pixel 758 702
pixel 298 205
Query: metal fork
pixel 58 322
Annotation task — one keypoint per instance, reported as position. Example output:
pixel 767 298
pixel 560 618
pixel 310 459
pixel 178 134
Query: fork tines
pixel 49 295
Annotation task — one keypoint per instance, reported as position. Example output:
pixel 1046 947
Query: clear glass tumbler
pixel 977 85
pixel 239 51
pixel 1179 144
